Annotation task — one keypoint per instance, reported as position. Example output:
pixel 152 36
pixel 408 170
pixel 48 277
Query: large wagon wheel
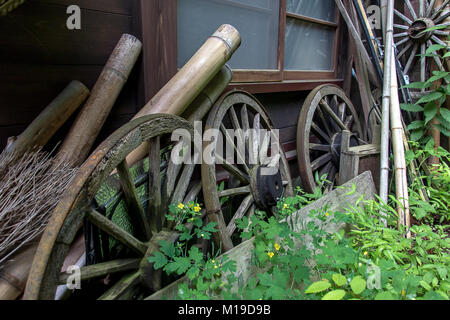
pixel 325 113
pixel 412 40
pixel 243 178
pixel 142 239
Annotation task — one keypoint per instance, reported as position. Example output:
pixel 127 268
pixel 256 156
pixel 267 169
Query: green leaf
pixel 425 285
pixel 334 295
pixel 358 284
pixel 416 125
pixel 195 255
pixel 430 111
pixel 181 264
pixel 430 97
pixel 167 248
pixel 193 272
pixel 411 107
pixel 417 85
pixel 445 113
pixel 339 279
pixel 434 47
pixel 417 134
pixel 443 122
pixel 317 287
pixel 158 259
pixel 384 296
pixel 210 227
pixel 437 76
pixel 442 129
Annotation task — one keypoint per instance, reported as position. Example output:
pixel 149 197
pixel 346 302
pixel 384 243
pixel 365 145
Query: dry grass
pixel 30 188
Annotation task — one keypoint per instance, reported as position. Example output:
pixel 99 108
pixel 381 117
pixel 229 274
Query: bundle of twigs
pixel 30 187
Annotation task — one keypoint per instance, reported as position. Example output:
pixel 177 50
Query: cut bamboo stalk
pixel 84 131
pixel 401 182
pixel 14 274
pixel 196 110
pixel 384 156
pixel 40 131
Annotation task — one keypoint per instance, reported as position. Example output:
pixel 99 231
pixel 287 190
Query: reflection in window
pixel 309 46
pixel 256 20
pixel 319 9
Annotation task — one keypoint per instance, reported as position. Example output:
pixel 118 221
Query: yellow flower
pixel 202 235
pixel 285 206
pixel 181 206
pixel 327 214
pixel 270 254
pixel 191 219
pixel 403 292
pixel 213 261
pixel 277 246
pixel 366 253
pixel 191 205
pixel 215 267
pixel 197 208
pixel 360 264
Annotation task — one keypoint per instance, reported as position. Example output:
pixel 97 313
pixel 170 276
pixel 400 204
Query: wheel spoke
pixel 102 269
pixel 245 205
pixel 341 111
pixel 401 16
pixel 411 9
pixel 136 210
pixel 423 64
pixel 240 134
pixel 421 8
pixel 319 162
pixel 332 178
pixel 193 192
pixel 324 121
pixel 230 141
pixel 411 58
pixel 442 33
pixel 232 169
pixel 439 9
pixel 325 170
pixel 183 183
pixel 254 147
pixel 154 184
pixel 405 49
pixel 436 59
pixel 173 169
pixel 400 26
pixel 115 231
pixel 438 41
pixel 124 288
pixel 401 42
pixel 333 115
pixel 263 152
pixel 430 8
pixel 401 35
pixel 235 192
pixel 320 133
pixel 319 147
pixel 349 121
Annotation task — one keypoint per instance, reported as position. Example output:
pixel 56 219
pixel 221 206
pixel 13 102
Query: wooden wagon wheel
pixel 411 40
pixel 76 206
pixel 325 113
pixel 242 175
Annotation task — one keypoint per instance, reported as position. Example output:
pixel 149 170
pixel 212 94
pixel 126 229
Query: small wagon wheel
pixel 244 176
pixel 67 219
pixel 412 40
pixel 325 113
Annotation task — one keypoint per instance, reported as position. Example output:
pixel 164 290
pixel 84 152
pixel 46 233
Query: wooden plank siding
pixel 39 56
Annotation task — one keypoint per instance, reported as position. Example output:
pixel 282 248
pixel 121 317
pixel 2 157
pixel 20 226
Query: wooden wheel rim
pixel 304 129
pixel 209 179
pixel 71 210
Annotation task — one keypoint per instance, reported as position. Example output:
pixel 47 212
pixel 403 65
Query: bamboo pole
pixel 187 84
pixel 401 183
pixel 384 157
pixel 40 131
pixel 84 131
pixel 196 110
pixel 14 273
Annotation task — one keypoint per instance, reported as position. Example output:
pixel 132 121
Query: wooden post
pixel 40 131
pixel 84 131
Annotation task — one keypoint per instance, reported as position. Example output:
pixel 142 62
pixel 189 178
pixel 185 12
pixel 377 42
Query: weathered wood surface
pixel 336 200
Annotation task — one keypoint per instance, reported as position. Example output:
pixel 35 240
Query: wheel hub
pixel 335 147
pixel 417 28
pixel 267 189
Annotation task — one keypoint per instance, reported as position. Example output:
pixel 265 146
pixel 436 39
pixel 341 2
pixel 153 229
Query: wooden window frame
pixel 159 34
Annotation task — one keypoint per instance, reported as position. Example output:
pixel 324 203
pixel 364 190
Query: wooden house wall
pixel 39 56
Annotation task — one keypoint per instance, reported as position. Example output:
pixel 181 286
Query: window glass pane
pixel 319 9
pixel 256 20
pixel 309 46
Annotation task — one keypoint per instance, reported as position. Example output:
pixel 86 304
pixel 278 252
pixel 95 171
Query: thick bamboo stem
pixel 84 131
pixel 384 157
pixel 401 183
pixel 40 131
pixel 196 110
